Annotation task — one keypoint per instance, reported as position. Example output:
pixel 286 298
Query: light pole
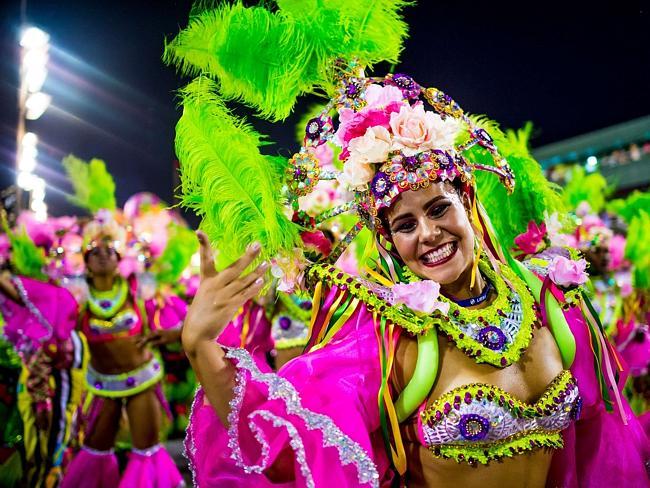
pixel 32 103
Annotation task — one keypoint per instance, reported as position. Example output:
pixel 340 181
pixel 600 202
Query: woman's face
pixel 432 233
pixel 102 260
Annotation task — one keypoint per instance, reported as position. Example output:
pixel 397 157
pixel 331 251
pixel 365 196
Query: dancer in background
pixel 123 374
pixel 39 322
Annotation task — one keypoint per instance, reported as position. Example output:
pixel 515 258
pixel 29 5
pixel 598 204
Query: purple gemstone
pixel 473 427
pixel 410 163
pixel 577 409
pixel 99 385
pixel 156 367
pixel 447 408
pixel 130 381
pixel 285 323
pixel 410 89
pixel 352 90
pixel 314 128
pixel 306 305
pixel 492 338
pixel 105 304
pixel 380 185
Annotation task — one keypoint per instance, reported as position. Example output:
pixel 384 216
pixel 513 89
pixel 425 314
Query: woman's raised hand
pixel 220 294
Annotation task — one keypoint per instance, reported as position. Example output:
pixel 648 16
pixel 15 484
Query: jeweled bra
pixel 479 423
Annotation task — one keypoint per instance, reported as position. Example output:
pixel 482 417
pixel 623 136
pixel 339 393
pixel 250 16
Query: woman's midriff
pixel 527 380
pixel 118 356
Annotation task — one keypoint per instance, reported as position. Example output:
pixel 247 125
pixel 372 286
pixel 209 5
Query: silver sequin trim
pixel 189 451
pixel 280 388
pixel 32 308
pixel 295 442
pixel 148 452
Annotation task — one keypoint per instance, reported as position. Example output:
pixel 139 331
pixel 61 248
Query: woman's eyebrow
pixel 405 215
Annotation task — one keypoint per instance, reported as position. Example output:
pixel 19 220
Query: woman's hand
pixel 220 295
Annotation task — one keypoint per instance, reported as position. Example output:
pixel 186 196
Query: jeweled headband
pixel 395 135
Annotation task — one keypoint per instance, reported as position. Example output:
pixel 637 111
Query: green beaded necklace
pixel 105 304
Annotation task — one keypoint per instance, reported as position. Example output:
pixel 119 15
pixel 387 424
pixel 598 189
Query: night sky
pixel 570 67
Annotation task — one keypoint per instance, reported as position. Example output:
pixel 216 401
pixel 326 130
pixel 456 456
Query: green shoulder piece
pixel 559 326
pixel 424 376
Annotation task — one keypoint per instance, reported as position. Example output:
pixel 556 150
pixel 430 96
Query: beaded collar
pixel 105 304
pixel 499 333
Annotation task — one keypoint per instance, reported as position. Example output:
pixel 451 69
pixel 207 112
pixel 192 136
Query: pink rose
pixel 378 96
pixel 354 124
pixel 531 242
pixel 356 173
pixel 415 129
pixel 129 265
pixel 420 296
pixel 566 272
pixel 616 252
pixel 41 233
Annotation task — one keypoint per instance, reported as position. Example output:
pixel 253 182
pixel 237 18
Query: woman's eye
pixel 405 227
pixel 439 210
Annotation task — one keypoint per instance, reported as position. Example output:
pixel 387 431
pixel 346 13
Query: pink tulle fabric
pixel 166 312
pixel 156 470
pixel 57 309
pixel 320 411
pixel 599 449
pixel 258 341
pixel 317 422
pixel 92 470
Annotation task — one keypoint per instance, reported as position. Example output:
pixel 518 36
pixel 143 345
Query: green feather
pixel 631 206
pixel 533 197
pixel 26 258
pixel 266 59
pixel 93 185
pixel 227 181
pixel 637 248
pixel 181 246
pixel 583 187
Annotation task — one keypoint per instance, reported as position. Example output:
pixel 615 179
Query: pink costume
pixel 42 331
pixel 153 466
pixel 321 410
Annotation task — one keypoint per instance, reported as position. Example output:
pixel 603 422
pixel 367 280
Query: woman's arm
pixel 217 300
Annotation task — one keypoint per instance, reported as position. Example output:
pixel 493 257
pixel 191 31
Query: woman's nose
pixel 430 231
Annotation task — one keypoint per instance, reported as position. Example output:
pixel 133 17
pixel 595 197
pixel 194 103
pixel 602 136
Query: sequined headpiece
pixel 391 143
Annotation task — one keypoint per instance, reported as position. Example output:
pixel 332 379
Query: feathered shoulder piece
pixel 93 185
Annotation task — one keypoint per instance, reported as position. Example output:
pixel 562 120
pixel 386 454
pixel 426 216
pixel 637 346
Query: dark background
pixel 570 67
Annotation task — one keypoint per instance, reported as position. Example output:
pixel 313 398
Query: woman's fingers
pixel 207 268
pixel 244 282
pixel 250 291
pixel 234 271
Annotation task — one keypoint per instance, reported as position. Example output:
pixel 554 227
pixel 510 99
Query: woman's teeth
pixel 440 254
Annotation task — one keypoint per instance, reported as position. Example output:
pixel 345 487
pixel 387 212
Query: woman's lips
pixel 439 255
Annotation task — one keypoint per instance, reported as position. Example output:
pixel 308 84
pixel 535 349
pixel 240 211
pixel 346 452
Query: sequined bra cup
pixel 479 423
pixel 125 323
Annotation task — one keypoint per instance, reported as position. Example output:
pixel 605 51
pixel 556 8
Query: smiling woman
pixel 447 362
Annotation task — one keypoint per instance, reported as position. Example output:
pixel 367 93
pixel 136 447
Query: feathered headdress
pixel 93 185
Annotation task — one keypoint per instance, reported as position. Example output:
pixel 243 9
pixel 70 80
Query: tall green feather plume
pixel 266 59
pixel 637 248
pixel 226 180
pixel 534 196
pixel 26 258
pixel 582 187
pixel 631 206
pixel 181 246
pixel 94 187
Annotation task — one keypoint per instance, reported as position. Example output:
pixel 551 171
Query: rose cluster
pixel 390 122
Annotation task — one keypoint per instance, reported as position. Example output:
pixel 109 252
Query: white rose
pixel 372 147
pixel 415 129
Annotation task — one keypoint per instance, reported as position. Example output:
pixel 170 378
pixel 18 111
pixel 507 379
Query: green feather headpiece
pixel 533 198
pixel 266 59
pixel 586 187
pixel 181 246
pixel 631 206
pixel 26 257
pixel 637 248
pixel 226 180
pixel 94 187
